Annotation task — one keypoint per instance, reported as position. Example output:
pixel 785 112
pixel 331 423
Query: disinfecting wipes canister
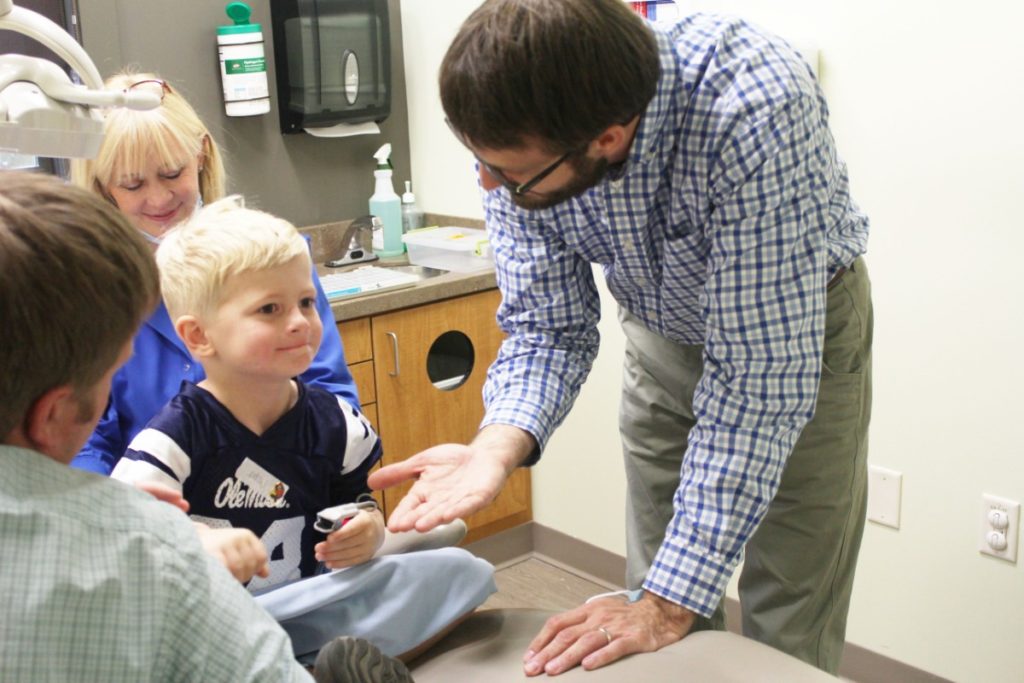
pixel 243 64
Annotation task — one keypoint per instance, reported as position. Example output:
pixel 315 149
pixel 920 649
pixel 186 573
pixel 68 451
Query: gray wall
pixel 304 179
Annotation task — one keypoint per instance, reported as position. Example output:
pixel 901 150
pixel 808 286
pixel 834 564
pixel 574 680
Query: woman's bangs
pixel 141 143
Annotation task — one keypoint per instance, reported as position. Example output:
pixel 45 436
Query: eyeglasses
pixel 151 85
pixel 517 189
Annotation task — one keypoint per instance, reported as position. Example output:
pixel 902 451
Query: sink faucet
pixel 357 242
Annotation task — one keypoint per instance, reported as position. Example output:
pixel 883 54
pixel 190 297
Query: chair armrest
pixel 489 644
pixel 441 536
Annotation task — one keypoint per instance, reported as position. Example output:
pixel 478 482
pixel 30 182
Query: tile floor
pixel 538 584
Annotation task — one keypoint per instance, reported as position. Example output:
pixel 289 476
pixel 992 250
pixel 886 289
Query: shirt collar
pixel 650 129
pixel 160 322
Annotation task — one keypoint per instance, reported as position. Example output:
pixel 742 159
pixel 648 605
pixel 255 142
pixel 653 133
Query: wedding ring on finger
pixel 606 634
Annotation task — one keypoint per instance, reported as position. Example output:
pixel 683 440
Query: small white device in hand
pixel 333 518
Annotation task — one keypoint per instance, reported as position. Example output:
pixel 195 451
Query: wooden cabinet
pixel 355 337
pixel 428 364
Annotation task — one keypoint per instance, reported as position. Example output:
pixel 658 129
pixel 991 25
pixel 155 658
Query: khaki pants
pixel 797 575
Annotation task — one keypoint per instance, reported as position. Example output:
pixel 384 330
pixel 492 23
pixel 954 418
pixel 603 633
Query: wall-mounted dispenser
pixel 333 62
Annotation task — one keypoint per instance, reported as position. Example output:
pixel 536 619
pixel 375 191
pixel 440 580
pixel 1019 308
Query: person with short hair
pixel 251 446
pixel 157 167
pixel 695 164
pixel 100 581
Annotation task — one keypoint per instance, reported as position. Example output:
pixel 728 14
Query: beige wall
pixel 925 104
pixel 305 179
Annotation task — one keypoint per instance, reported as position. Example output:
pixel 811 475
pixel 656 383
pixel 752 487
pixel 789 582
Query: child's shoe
pixel 354 660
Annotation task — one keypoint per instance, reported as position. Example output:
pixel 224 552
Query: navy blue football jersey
pixel 318 454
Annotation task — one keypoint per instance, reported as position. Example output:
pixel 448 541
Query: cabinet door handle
pixel 394 349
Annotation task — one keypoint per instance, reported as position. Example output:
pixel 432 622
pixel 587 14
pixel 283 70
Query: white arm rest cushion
pixel 443 536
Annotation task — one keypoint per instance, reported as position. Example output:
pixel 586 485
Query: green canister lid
pixel 238 12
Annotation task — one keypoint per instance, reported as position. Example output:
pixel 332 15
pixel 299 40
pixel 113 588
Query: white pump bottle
pixel 387 206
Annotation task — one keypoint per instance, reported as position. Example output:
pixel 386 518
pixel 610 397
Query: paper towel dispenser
pixel 332 61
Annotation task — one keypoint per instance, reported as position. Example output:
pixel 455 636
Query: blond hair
pixel 219 241
pixel 172 131
pixel 77 282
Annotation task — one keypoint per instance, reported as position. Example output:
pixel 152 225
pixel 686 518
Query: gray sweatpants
pixel 797 576
pixel 397 602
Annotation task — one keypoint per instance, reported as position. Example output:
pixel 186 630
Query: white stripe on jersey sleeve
pixel 362 440
pixel 165 449
pixel 134 471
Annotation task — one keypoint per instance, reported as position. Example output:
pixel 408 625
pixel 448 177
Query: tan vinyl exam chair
pixel 489 646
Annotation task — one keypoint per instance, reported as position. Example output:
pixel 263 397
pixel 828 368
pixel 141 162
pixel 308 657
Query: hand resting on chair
pixel 603 631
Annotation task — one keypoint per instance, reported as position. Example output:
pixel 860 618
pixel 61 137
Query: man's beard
pixel 588 173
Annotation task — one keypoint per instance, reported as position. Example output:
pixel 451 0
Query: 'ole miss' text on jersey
pixel 318 454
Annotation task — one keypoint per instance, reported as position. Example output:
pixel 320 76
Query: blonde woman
pixel 156 167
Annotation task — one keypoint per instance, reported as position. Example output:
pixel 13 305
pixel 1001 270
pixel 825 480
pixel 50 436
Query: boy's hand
pixel 354 543
pixel 163 493
pixel 237 549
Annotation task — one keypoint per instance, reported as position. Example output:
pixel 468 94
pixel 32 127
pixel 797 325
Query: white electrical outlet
pixel 1000 526
pixel 885 488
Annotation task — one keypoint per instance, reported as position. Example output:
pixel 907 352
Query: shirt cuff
pixel 689 575
pixel 502 414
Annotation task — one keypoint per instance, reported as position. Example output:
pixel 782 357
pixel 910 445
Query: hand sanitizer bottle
pixel 412 217
pixel 386 205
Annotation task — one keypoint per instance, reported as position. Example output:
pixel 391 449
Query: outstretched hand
pixel 598 633
pixel 450 484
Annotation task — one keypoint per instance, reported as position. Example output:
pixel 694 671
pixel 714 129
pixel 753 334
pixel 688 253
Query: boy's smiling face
pixel 266 325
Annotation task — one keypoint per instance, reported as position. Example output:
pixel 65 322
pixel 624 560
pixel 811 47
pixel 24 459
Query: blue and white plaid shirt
pixel 722 228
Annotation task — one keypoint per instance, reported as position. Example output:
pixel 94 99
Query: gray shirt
pixel 101 582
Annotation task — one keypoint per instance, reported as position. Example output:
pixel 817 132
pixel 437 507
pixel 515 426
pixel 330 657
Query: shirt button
pixel 617 183
pixel 188 366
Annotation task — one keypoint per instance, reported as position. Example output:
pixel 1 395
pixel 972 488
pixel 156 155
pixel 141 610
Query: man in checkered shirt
pixel 695 165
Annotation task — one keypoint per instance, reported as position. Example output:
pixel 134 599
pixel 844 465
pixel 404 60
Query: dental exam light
pixel 42 113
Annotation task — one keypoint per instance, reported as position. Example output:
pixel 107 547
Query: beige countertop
pixel 325 239
pixel 427 291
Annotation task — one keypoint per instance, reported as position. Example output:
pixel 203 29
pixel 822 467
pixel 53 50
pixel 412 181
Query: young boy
pixel 250 446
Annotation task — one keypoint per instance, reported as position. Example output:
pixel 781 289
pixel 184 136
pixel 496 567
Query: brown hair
pixel 560 71
pixel 77 280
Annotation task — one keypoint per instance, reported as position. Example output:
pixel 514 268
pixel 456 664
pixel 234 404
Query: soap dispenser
pixel 412 217
pixel 386 205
